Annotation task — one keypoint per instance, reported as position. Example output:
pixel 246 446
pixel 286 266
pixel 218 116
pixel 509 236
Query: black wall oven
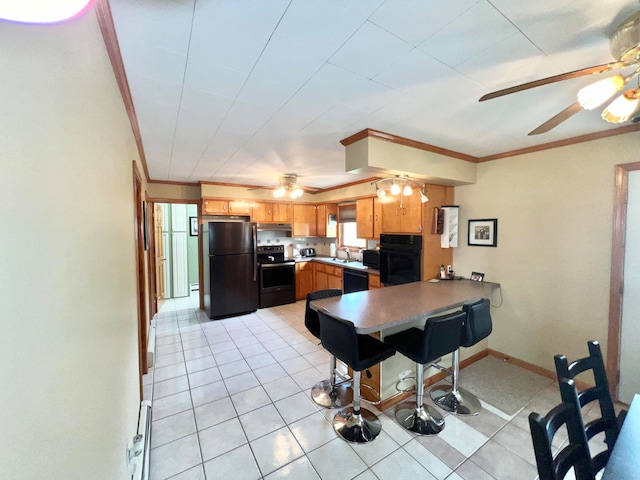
pixel 400 259
pixel 277 283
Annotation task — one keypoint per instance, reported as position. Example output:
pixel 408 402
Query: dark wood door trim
pixel 140 274
pixel 617 272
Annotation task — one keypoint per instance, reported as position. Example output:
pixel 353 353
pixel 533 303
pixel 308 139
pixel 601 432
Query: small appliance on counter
pixel 371 259
pixel 308 252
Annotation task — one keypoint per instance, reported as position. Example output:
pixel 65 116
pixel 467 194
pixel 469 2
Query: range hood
pixel 275 227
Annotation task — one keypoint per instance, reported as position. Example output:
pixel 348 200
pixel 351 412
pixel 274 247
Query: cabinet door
pixel 212 207
pixel 411 214
pixel 374 281
pixel 364 218
pixel 304 279
pixel 304 221
pixel 262 212
pixel 391 216
pixel 240 208
pixel 377 218
pixel 281 212
pixel 334 282
pixel 321 220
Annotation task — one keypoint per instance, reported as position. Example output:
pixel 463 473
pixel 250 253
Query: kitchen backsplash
pixel 321 244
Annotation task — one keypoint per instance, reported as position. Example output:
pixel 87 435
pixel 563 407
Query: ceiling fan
pixel 288 184
pixel 624 44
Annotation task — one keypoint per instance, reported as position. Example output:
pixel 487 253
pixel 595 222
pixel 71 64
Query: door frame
pixel 139 226
pixel 151 201
pixel 617 273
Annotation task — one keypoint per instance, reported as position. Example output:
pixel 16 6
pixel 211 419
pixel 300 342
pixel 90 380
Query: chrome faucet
pixel 348 254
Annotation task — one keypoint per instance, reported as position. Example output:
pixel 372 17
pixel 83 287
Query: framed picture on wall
pixel 483 233
pixel 477 276
pixel 193 226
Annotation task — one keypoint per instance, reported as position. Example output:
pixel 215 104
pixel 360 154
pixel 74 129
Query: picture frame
pixel 193 226
pixel 477 276
pixel 483 232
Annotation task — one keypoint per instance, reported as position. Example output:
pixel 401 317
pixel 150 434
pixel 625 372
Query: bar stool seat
pixel 353 424
pixel 441 336
pixel 477 326
pixel 327 393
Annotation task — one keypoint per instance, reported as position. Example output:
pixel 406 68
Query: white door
pixel 179 250
pixel 629 351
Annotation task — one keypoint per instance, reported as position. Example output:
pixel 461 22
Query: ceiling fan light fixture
pixel 595 94
pixel 623 107
pixel 279 192
pixel 423 196
pixel 407 190
pixel 395 189
pixel 380 193
pixel 296 193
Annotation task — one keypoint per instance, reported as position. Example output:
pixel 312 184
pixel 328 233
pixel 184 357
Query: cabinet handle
pixel 376 218
pixel 224 208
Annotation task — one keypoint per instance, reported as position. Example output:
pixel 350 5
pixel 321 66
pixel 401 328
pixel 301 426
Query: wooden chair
pixel 543 429
pixel 607 423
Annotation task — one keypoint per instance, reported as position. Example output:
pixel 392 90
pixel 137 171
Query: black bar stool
pixel 441 336
pixel 326 393
pixel 339 337
pixel 477 326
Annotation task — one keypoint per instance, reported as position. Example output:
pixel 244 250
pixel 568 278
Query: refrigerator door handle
pixel 254 227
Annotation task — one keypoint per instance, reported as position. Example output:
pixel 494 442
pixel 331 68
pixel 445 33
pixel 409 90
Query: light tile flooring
pixel 231 401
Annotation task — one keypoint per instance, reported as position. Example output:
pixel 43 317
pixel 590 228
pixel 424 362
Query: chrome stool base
pixel 425 420
pixel 461 402
pixel 331 396
pixel 357 428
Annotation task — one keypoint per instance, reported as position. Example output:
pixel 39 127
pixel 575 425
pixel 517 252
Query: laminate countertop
pixel 374 310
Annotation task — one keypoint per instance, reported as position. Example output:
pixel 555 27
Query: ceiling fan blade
pixel 556 78
pixel 556 120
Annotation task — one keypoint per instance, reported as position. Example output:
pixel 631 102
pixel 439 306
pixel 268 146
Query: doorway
pixel 622 359
pixel 175 256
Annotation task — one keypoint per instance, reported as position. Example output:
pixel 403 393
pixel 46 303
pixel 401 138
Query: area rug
pixel 501 384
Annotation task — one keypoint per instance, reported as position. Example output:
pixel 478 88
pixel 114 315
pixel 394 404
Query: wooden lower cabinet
pixel 374 281
pixel 304 279
pixel 327 276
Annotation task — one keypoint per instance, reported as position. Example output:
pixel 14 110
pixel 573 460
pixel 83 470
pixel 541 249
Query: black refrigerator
pixel 231 279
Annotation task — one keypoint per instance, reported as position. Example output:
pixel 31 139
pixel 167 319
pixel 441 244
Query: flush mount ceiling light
pixel 288 184
pixel 42 11
pixel 400 184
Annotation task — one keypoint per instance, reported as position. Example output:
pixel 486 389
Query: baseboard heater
pixel 139 451
pixel 151 345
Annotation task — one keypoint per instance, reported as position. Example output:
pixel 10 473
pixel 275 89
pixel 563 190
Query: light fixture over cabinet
pixel 400 184
pixel 288 184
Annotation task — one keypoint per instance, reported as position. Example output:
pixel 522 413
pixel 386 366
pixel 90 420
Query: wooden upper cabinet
pixel 271 212
pixel 215 207
pixel 304 221
pixel 326 217
pixel 241 207
pixel 281 212
pixel 364 218
pixel 402 219
pixel 368 218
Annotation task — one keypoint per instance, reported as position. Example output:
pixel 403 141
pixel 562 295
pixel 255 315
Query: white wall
pixel 69 392
pixel 554 211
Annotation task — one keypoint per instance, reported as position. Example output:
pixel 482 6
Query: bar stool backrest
pixel 478 324
pixel 311 320
pixel 576 454
pixel 607 423
pixel 441 336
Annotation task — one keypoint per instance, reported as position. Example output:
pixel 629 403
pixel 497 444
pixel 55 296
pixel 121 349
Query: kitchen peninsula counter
pixel 375 310
pixel 391 309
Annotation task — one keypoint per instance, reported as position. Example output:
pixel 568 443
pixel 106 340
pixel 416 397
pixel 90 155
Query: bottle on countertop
pixel 332 250
pixel 443 272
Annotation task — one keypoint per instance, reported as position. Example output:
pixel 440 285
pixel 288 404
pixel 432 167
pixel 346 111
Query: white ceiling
pixel 243 91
